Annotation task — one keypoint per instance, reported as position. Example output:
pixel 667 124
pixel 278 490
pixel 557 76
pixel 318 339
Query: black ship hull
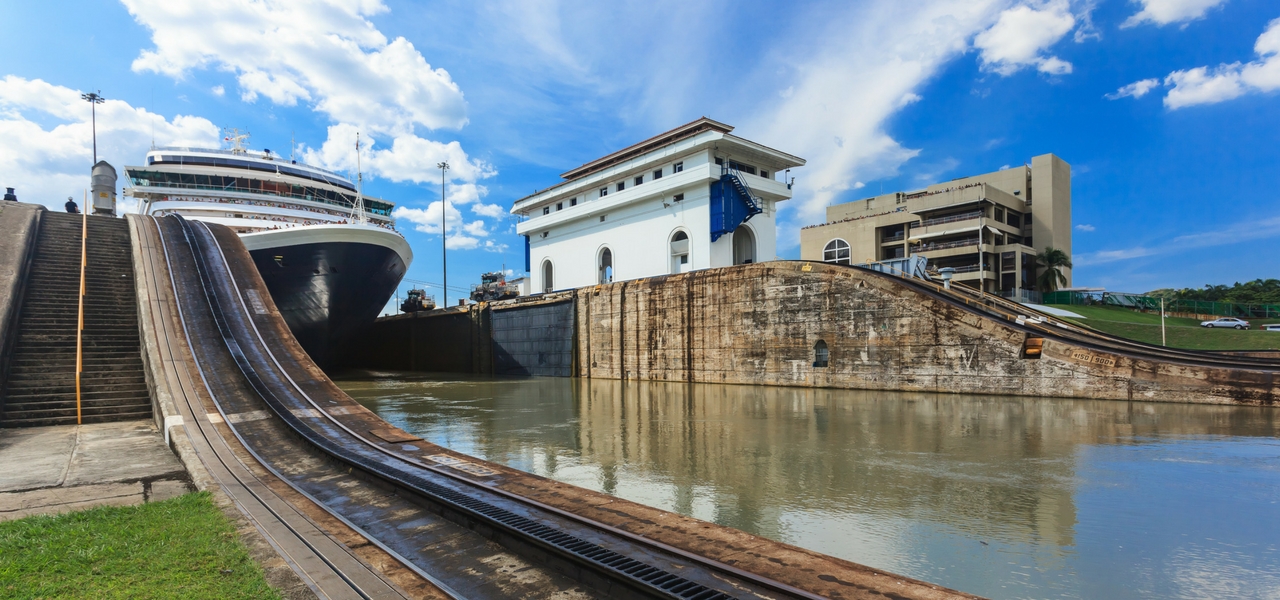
pixel 328 292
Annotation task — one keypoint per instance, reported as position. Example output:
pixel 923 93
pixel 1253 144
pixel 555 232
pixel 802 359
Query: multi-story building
pixel 691 198
pixel 987 227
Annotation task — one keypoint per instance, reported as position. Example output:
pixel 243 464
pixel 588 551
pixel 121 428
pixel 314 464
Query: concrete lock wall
pixel 759 324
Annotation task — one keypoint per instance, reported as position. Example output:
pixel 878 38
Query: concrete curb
pixel 19 228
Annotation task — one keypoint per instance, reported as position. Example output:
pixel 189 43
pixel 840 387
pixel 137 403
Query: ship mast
pixel 357 210
pixel 233 135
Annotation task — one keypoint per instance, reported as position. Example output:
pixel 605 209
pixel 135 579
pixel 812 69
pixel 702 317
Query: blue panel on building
pixel 729 206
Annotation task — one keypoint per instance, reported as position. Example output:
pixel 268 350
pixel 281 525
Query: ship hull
pixel 328 290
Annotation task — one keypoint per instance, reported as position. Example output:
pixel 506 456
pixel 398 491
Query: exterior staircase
pixel 41 386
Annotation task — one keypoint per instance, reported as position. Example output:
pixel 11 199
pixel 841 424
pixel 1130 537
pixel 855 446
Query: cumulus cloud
pixel 56 150
pixel 462 234
pixel 1210 85
pixel 1020 36
pixel 325 52
pixel 1136 89
pixel 328 55
pixel 1085 227
pixel 218 90
pixel 1164 12
pixel 493 211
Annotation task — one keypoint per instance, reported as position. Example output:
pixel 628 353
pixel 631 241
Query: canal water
pixel 1001 497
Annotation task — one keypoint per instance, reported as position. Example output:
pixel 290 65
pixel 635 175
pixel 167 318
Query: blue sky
pixel 1166 109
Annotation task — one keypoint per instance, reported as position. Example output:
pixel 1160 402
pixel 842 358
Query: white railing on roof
pixel 252 154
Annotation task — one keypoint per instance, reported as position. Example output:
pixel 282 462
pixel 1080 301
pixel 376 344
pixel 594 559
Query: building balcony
pixel 952 218
pixel 946 245
pixel 893 238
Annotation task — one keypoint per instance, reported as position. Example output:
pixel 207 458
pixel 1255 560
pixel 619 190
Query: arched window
pixel 821 356
pixel 744 246
pixel 548 281
pixel 679 252
pixel 606 266
pixel 837 251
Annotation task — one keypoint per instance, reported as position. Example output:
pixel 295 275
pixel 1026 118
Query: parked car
pixel 1226 322
pixel 1271 327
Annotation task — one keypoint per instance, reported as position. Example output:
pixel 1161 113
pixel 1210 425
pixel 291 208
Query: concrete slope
pixel 760 324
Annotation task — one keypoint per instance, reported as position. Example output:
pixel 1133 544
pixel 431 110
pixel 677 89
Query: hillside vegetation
pixel 1182 333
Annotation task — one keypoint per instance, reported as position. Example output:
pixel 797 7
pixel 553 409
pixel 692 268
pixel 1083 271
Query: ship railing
pixel 250 154
pixel 215 188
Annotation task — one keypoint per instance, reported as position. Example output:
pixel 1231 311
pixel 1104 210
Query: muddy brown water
pixel 997 496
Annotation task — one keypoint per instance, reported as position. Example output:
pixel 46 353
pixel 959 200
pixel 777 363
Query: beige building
pixel 987 227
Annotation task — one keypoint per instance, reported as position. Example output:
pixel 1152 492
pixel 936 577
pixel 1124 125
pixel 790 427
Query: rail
pixel 276 194
pixel 952 219
pixel 84 258
pixel 947 245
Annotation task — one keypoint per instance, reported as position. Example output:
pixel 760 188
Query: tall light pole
pixel 444 238
pixel 94 99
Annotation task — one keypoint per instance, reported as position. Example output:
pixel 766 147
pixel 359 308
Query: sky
pixel 1166 109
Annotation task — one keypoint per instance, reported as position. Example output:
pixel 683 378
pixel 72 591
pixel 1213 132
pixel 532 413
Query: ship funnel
pixel 104 189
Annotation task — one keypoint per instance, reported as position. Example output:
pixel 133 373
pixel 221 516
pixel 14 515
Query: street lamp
pixel 444 238
pixel 94 99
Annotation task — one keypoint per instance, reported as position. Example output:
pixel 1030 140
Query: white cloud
pixel 833 118
pixel 1136 89
pixel 463 234
pixel 1205 85
pixel 491 246
pixel 1021 34
pixel 1164 12
pixel 219 91
pixel 488 210
pixel 325 53
pixel 51 147
pixel 1085 227
pixel 1237 233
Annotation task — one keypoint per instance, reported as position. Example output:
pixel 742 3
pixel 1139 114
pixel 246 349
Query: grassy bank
pixel 179 548
pixel 1182 333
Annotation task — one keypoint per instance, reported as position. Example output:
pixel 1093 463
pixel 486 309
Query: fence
pixel 1138 302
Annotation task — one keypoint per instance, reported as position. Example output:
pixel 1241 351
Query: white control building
pixel 692 198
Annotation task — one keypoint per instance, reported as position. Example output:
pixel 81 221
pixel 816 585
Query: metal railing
pixel 253 154
pixel 1172 305
pixel 971 268
pixel 951 219
pixel 946 245
pixel 237 190
pixel 84 259
pixel 893 238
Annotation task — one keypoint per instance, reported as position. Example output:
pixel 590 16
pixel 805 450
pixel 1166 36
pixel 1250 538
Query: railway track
pixel 282 409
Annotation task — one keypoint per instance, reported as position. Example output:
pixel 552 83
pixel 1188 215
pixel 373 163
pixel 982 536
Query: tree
pixel 1052 260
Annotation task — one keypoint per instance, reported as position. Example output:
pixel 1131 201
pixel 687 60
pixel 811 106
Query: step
pixel 68 417
pixel 23 391
pixel 85 397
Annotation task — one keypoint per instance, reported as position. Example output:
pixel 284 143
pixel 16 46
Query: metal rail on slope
pixel 656 580
pixel 323 564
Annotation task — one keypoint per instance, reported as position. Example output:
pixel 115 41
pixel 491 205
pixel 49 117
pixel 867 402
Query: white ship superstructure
pixel 330 255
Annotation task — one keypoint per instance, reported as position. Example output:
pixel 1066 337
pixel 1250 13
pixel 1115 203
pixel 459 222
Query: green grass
pixel 1182 333
pixel 179 548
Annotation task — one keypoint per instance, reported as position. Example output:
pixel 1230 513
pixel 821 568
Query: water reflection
pixel 996 496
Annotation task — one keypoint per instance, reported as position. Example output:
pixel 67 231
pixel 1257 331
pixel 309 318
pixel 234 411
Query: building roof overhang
pixel 684 131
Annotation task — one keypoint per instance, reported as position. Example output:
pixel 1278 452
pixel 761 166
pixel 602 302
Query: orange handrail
pixel 84 255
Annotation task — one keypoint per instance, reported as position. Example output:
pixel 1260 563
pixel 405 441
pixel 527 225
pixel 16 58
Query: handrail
pixel 84 258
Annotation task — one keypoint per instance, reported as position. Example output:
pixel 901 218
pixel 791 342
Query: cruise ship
pixel 330 256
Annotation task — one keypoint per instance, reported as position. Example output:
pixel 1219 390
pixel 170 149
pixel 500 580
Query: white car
pixel 1271 327
pixel 1226 322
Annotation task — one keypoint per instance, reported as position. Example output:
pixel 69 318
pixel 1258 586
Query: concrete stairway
pixel 41 387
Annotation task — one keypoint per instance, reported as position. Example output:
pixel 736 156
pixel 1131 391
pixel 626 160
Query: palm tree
pixel 1052 260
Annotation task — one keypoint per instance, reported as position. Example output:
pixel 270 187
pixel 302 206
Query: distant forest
pixel 1258 291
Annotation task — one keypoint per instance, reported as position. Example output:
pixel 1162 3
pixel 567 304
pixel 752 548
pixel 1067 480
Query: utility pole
pixel 444 238
pixel 1163 340
pixel 94 99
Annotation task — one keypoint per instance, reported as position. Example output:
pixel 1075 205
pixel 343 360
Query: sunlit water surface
pixel 1002 497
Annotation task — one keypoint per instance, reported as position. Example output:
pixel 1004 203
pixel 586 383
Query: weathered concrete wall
pixel 758 324
pixel 535 339
pixel 19 226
